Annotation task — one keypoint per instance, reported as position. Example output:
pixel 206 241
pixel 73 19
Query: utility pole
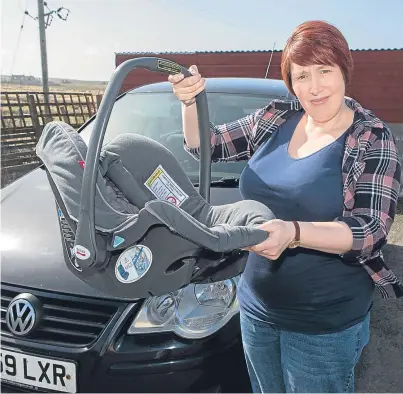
pixel 44 21
pixel 44 56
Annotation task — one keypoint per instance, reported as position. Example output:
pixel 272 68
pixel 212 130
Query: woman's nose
pixel 315 86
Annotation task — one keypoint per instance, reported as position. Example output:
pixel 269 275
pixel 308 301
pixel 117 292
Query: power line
pixel 18 43
pixel 61 12
pixel 271 56
pixel 44 21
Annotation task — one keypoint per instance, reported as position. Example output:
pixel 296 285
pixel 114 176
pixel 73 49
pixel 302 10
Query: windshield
pixel 157 115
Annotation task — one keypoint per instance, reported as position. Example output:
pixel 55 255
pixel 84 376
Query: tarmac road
pixel 381 366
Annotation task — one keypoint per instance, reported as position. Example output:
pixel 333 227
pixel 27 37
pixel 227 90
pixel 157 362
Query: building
pixel 25 80
pixel 377 80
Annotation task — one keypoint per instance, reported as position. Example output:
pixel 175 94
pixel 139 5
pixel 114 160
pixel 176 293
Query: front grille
pixel 67 321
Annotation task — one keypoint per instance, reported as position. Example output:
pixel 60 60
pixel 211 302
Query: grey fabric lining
pixel 222 237
pixel 125 165
pixel 61 148
pixel 109 204
pixel 218 228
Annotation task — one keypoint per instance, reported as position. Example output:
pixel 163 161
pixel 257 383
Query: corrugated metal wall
pixel 377 80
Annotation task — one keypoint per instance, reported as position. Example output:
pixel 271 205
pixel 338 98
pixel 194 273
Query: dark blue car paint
pixel 32 261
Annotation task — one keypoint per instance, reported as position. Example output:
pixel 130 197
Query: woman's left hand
pixel 281 233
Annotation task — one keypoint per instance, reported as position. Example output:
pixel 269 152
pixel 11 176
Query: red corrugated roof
pixel 239 51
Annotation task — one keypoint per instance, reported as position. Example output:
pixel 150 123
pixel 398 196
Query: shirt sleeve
pixel 232 141
pixel 375 198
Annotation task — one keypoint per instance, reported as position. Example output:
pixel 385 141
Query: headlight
pixel 196 311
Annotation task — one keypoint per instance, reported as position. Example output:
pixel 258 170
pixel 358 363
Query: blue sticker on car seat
pixel 117 241
pixel 133 263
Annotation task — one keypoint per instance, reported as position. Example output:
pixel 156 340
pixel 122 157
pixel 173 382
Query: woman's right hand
pixel 185 89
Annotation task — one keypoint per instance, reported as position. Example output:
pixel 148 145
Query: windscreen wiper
pixel 227 181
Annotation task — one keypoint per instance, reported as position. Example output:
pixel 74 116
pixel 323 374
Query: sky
pixel 84 46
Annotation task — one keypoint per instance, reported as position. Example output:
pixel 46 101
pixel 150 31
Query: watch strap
pixel 297 231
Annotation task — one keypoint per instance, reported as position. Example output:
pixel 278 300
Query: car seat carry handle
pixel 85 236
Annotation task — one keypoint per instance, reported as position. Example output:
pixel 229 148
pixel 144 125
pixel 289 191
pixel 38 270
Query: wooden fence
pixel 23 116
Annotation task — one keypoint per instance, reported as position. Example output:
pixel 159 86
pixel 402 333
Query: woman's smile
pixel 319 101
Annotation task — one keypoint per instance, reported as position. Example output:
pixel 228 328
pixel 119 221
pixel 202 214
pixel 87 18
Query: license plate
pixel 38 372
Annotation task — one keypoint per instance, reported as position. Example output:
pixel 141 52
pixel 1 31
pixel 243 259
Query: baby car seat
pixel 154 232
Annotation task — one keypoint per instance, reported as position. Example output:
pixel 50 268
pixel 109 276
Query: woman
pixel 329 170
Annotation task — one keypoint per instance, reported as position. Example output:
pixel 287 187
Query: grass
pixel 400 206
pixel 84 87
pixel 396 232
pixel 74 105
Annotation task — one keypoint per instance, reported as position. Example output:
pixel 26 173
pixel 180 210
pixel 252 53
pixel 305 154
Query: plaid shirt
pixel 371 174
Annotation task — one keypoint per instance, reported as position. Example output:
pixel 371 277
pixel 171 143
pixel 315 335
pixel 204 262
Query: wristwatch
pixel 296 241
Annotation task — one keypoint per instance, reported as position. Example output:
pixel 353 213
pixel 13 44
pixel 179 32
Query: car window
pixel 157 115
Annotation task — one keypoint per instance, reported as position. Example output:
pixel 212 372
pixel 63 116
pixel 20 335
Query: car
pixel 61 335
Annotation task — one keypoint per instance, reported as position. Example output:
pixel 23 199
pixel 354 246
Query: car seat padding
pixel 143 192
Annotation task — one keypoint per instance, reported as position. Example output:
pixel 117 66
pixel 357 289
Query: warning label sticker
pixel 164 188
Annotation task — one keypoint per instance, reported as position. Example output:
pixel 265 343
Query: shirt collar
pixel 365 117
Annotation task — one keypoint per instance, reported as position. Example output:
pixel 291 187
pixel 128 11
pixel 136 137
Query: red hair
pixel 316 42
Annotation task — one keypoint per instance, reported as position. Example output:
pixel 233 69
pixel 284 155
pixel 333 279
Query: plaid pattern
pixel 371 173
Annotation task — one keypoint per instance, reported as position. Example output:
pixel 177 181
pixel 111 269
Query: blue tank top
pixel 304 290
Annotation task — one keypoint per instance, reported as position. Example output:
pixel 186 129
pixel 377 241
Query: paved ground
pixel 381 366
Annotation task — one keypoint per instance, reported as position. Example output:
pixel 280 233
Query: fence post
pixel 98 98
pixel 48 113
pixel 63 111
pixel 34 115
